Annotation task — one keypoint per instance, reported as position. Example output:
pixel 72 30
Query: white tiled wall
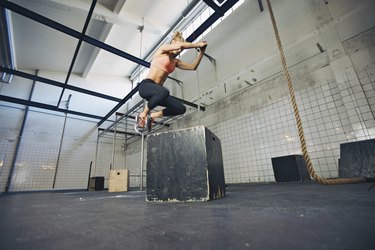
pixel 250 140
pixel 133 164
pixel 35 167
pixel 37 160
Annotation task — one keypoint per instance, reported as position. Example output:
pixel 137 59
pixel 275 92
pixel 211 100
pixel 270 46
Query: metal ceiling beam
pixel 57 84
pixel 104 34
pixel 211 20
pixel 46 106
pixel 71 32
pixel 213 5
pixel 88 18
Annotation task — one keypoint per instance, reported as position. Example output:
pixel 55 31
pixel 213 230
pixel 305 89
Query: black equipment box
pixel 96 183
pixel 184 165
pixel 290 168
pixel 357 159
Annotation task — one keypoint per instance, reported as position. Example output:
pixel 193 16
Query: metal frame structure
pixel 82 37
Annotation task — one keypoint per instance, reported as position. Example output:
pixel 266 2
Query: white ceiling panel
pixel 115 22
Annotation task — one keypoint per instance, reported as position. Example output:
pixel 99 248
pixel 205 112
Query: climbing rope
pixel 301 135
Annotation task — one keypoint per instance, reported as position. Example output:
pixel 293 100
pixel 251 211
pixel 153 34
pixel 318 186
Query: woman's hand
pixel 202 44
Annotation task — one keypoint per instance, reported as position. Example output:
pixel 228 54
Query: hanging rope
pixel 298 119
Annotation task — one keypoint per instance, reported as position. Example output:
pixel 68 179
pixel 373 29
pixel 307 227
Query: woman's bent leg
pixel 173 107
pixel 154 93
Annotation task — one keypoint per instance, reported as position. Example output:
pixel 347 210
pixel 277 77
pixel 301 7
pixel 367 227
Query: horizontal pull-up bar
pixel 118 132
pixel 211 20
pixel 202 108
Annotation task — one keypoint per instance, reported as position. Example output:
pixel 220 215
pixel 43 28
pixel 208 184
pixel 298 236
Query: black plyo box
pixel 184 165
pixel 290 168
pixel 357 159
pixel 96 183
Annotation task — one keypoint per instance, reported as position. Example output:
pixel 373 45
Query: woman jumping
pixel 151 88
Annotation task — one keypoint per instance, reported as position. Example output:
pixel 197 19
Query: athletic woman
pixel 151 88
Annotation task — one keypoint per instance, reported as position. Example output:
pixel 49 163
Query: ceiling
pixel 132 28
pixel 116 22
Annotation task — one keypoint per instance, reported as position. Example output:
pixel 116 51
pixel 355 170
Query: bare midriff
pixel 157 75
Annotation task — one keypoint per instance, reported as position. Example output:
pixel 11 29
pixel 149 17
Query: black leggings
pixel 157 95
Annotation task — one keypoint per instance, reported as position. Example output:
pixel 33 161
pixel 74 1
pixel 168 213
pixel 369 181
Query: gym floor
pixel 253 216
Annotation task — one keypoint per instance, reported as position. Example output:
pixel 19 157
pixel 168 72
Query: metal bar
pixel 119 132
pixel 141 167
pixel 71 32
pixel 93 3
pixel 260 5
pixel 96 153
pixel 59 153
pixel 175 79
pixel 122 102
pixel 213 5
pixel 61 143
pixel 114 147
pixel 198 97
pixel 190 104
pixel 57 84
pixel 211 20
pixel 212 60
pixel 116 122
pixel 46 106
pixel 19 138
pixel 88 181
